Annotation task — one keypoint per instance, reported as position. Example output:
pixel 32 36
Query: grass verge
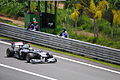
pixel 67 53
pixel 10 22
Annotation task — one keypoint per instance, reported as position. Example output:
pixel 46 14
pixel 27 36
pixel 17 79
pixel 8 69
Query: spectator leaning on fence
pixel 31 26
pixel 37 27
pixel 64 33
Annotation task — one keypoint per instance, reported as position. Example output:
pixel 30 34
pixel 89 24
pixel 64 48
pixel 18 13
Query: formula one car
pixel 23 51
pixel 38 56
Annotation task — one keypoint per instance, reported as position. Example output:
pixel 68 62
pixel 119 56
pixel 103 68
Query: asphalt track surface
pixel 14 69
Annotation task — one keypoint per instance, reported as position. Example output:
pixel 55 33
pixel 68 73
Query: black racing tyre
pixel 9 52
pixel 17 55
pixel 29 56
pixel 49 56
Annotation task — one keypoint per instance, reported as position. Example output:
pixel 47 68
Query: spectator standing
pixel 27 10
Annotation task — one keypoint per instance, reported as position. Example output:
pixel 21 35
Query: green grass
pixel 67 53
pixel 10 22
pixel 6 38
pixel 5 21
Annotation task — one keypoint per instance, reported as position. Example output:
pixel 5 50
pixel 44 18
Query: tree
pixel 77 13
pixel 12 7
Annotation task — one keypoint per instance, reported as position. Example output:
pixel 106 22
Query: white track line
pixel 5 42
pixel 83 63
pixel 28 72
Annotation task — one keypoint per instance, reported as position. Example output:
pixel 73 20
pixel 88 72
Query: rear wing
pixel 18 43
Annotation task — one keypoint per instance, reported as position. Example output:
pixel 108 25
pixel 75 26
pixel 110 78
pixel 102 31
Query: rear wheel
pixel 9 52
pixel 29 56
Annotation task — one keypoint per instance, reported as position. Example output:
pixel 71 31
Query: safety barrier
pixel 66 44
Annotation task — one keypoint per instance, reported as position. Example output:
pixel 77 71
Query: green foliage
pixel 33 6
pixel 12 7
pixel 107 42
pixel 115 4
pixel 85 23
pixel 104 27
pixel 55 31
pixel 21 1
pixel 62 16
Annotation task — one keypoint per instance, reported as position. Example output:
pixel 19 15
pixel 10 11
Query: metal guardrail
pixel 70 45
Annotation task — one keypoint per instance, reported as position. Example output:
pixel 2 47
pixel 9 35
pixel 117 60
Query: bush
pixel 55 31
pixel 104 27
pixel 12 7
pixel 85 23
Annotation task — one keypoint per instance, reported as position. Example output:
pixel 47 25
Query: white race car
pixel 38 56
pixel 22 51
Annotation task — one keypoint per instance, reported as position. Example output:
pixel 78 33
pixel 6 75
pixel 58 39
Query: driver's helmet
pixel 26 46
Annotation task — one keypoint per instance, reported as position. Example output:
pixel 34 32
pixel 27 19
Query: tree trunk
pixel 95 29
pixel 76 22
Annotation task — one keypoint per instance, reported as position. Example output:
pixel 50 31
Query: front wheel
pixel 29 56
